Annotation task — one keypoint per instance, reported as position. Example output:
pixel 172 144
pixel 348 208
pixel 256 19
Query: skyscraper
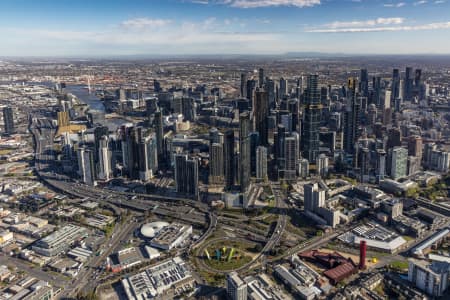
pixel 415 146
pixel 188 109
pixel 270 88
pixel 351 117
pixel 244 150
pixel 371 114
pixel 251 86
pixel 150 107
pixel 228 159
pixel 322 165
pixel 260 114
pixel 186 175
pixel 130 152
pixel 143 150
pixel 399 162
pixel 304 168
pixel 159 129
pixel 293 109
pixel 243 91
pixel 418 78
pixel 261 77
pixel 290 158
pixel 156 86
pixel 216 163
pixel 409 84
pixel 152 154
pixel 99 133
pixel 261 162
pixel 395 87
pixel 381 164
pixel 104 164
pixel 376 98
pixel 280 147
pixel 8 119
pixel 86 168
pixel 364 83
pixel 311 121
pixel 283 90
pixel 254 143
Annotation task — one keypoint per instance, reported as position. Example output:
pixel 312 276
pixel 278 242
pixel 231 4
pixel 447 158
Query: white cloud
pixel 374 22
pixel 430 26
pixel 420 2
pixel 131 33
pixel 394 5
pixel 145 23
pixel 204 2
pixel 261 3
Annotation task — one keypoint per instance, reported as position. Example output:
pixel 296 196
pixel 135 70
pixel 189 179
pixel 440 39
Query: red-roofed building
pixel 338 266
pixel 341 272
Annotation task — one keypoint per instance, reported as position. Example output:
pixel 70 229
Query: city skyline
pixel 177 27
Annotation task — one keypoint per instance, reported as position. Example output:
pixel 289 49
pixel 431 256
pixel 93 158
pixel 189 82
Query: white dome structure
pixel 149 230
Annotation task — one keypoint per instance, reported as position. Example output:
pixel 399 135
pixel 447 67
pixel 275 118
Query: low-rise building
pixel 60 241
pixel 171 236
pixel 171 276
pixel 376 236
pixel 425 246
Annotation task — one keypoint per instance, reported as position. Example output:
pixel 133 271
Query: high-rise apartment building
pixel 8 120
pixel 351 117
pixel 314 197
pixel 236 287
pixel 104 162
pixel 228 159
pixel 186 175
pixel 261 163
pixel 311 120
pixel 86 168
pixel 260 115
pixel 216 163
pixel 432 278
pixel 244 150
pixel 399 162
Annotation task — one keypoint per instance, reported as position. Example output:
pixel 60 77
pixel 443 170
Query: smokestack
pixel 362 255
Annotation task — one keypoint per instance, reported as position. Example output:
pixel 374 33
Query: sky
pixel 190 27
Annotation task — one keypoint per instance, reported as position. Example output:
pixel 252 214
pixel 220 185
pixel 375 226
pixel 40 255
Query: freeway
pixel 212 217
pixel 282 219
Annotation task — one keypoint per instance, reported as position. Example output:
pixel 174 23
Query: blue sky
pixel 119 27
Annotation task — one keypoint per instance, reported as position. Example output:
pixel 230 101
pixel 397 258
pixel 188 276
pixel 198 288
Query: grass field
pixel 399 265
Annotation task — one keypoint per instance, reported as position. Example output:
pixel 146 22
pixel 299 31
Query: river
pixel 95 105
